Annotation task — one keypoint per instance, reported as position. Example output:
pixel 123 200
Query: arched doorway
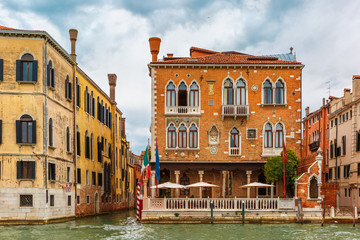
pixel 96 203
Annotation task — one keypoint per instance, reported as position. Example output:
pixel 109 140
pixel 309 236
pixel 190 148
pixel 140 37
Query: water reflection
pixel 123 226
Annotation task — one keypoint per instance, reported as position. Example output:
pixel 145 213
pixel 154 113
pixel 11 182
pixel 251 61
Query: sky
pixel 113 38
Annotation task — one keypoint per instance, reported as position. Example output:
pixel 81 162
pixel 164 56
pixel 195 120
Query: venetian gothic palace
pixel 218 116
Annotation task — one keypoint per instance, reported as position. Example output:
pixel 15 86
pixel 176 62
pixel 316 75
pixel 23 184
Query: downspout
pixel 74 130
pixel 301 119
pixel 46 121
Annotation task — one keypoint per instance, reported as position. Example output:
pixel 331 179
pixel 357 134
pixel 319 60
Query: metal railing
pixel 235 110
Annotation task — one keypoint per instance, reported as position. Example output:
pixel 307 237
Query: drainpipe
pixel 301 121
pixel 46 121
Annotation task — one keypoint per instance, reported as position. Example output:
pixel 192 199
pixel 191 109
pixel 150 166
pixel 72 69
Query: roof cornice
pixel 226 65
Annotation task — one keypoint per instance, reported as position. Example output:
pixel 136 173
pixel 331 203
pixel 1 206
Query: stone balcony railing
pixel 182 110
pixel 234 151
pixel 199 204
pixel 235 111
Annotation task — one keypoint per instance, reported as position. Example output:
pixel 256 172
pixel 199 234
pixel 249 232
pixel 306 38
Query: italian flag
pixel 145 164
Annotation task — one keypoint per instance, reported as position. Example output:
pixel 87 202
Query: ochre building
pixel 218 116
pixel 61 151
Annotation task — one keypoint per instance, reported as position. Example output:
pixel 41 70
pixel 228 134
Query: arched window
pixel 279 135
pixel 184 180
pixel 234 138
pixel 87 145
pixel 86 95
pixel 240 93
pixel 26 68
pixel 50 75
pixel 92 103
pixel 68 139
pixel 268 136
pixel 68 88
pixel 267 91
pixel 279 92
pixel 228 92
pixel 78 93
pixel 182 136
pixel 26 130
pixel 194 95
pixel 193 135
pixel 51 133
pixel 182 94
pixel 170 95
pixel 92 147
pixel 171 136
pixel 313 188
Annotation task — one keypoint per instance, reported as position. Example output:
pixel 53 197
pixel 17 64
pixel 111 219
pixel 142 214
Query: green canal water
pixel 123 226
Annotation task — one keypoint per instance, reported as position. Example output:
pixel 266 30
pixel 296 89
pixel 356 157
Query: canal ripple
pixel 124 226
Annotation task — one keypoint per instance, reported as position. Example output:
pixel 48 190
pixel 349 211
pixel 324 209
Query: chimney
pixel 170 55
pixel 154 47
pixel 73 36
pixel 307 109
pixel 323 101
pixel 112 83
pixel 356 86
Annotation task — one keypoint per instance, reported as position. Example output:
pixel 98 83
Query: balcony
pixel 234 151
pixel 235 111
pixel 314 146
pixel 182 110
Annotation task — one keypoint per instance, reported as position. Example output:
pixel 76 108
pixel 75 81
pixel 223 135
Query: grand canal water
pixel 123 226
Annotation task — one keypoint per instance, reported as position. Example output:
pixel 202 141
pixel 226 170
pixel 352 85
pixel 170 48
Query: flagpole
pixel 156 177
pixel 283 158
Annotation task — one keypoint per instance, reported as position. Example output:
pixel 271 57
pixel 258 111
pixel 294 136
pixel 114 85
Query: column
pixel 272 190
pixel 224 183
pixel 248 174
pixel 145 187
pixel 177 175
pixel 152 183
pixel 201 174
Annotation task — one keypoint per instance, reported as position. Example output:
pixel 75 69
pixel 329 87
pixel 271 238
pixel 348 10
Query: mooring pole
pixel 212 211
pixel 243 212
pixel 323 217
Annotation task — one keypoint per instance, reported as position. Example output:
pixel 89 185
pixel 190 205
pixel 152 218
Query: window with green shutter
pixel 26 69
pixel 1 69
pixel 25 169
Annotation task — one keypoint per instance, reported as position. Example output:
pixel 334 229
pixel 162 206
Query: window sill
pixel 51 181
pixel 52 147
pixel 27 144
pixel 51 88
pixel 313 199
pixel 26 179
pixel 68 99
pixel 274 105
pixel 70 153
pixel 27 82
pixel 182 149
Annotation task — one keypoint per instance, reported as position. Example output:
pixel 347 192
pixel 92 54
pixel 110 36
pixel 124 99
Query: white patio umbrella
pixel 168 185
pixel 201 184
pixel 257 185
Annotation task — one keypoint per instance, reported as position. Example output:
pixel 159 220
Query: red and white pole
pixel 138 203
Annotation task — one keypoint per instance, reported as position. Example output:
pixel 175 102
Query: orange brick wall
pixel 251 149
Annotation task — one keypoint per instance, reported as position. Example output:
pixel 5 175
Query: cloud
pixel 113 38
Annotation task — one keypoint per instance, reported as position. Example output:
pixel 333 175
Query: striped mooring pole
pixel 138 203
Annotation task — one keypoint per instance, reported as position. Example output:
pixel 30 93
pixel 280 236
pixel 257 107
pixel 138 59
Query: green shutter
pixel 1 69
pixel 18 70
pixel 32 167
pixel 48 75
pixel 35 70
pixel 18 131
pixel 34 131
pixel 18 169
pixel 0 131
pixel 53 78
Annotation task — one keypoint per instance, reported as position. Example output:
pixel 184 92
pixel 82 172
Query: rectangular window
pixel 88 199
pixel 346 171
pixel 358 169
pixel 78 95
pixel 358 141
pixel 87 177
pixel 52 200
pixel 0 131
pixel 26 200
pixel 78 199
pixel 330 173
pixel 68 174
pixel 344 145
pixel 78 176
pixel 326 177
pixel 51 171
pixel 338 172
pixel 93 178
pixel 69 200
pixel 345 192
pixel 100 179
pixel 332 123
pixel 25 169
